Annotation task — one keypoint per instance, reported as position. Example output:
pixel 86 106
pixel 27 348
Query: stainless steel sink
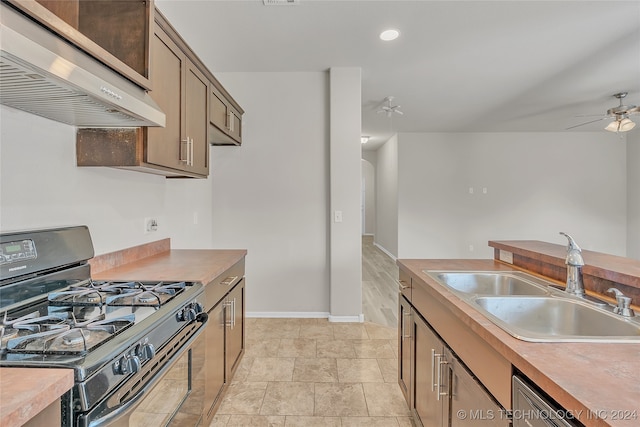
pixel 531 309
pixel 545 319
pixel 490 283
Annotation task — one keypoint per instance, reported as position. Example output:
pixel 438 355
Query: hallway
pixel 379 285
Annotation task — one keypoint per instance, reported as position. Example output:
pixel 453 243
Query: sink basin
pixel 490 283
pixel 552 319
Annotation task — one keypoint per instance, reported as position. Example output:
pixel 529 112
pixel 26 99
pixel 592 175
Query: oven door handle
pixel 118 416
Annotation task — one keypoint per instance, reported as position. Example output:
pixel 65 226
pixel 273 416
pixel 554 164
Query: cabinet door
pixel 235 328
pixel 163 145
pixel 405 348
pixel 429 382
pixel 471 404
pixel 215 360
pixel 196 120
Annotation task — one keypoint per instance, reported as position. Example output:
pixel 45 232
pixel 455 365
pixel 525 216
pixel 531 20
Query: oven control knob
pixel 127 364
pixel 198 307
pixel 146 351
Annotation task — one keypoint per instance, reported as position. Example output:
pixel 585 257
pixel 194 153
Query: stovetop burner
pixel 58 333
pixel 117 294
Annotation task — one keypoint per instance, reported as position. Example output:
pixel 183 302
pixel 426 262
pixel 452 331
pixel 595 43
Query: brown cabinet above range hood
pixel 50 68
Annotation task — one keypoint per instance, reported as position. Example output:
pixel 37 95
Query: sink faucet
pixel 574 263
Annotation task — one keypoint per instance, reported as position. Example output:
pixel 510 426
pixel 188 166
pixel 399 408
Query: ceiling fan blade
pixel 586 123
pixel 399 112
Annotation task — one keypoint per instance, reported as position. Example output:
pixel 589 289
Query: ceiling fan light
pixel 614 126
pixel 626 125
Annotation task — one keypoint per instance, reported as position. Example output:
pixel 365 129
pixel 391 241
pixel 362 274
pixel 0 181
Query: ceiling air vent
pixel 281 2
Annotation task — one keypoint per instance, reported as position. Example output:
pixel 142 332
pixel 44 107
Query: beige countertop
pixel 25 392
pixel 192 265
pixel 598 382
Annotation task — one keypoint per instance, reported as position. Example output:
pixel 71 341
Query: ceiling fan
pixel 389 108
pixel 620 115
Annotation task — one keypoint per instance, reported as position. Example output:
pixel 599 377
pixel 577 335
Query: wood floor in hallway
pixel 379 285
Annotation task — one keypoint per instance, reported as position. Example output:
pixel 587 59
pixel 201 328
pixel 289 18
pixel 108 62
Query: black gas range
pixel 118 337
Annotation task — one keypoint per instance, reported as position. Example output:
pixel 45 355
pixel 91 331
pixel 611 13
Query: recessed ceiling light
pixel 388 35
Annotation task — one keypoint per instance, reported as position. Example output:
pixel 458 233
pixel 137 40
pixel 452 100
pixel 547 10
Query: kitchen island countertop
pixel 598 382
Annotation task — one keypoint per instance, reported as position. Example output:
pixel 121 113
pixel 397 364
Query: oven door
pixel 167 391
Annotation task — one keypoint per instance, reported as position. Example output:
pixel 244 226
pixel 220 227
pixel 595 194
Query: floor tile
pixel 369 422
pixel 271 369
pixel 243 398
pixel 315 370
pixel 256 421
pixel 379 349
pixel 385 399
pixel 288 398
pixel 297 347
pixel 260 347
pixel 335 348
pixel 346 331
pixel 297 421
pixel 389 369
pixel 339 400
pixel 219 420
pixel 376 331
pixel 359 371
pixel 406 422
pixel 323 331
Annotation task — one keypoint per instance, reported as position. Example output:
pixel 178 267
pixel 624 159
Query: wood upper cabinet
pixel 225 117
pixel 181 90
pixel 116 32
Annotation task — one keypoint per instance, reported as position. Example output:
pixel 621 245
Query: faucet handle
pixel 624 303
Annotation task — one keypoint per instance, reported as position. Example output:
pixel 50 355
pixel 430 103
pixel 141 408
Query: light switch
pixel 337 216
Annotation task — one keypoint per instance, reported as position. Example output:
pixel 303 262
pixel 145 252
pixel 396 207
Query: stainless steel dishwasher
pixel 532 409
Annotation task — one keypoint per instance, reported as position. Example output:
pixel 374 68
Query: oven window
pixel 163 401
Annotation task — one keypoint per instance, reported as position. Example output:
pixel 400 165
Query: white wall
pixel 345 149
pixel 386 233
pixel 41 187
pixel 537 185
pixel 271 195
pixel 633 195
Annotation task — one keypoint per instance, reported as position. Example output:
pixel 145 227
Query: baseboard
pixel 393 257
pixel 288 314
pixel 304 315
pixel 347 319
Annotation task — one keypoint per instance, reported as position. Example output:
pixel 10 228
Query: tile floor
pixel 310 372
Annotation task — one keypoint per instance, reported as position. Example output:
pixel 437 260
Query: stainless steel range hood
pixel 44 75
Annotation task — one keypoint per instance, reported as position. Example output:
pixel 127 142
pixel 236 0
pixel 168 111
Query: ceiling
pixel 458 66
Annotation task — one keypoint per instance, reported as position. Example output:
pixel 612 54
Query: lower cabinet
pixel 440 390
pixel 225 346
pixel 215 366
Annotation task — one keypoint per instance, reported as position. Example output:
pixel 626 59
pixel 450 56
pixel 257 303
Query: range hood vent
pixel 281 2
pixel 42 74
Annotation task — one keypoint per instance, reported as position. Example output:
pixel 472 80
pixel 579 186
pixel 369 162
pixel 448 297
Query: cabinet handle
pixel 190 163
pixel 185 143
pixel 433 368
pixel 401 285
pixel 233 314
pixel 227 313
pixel 230 121
pixel 404 324
pixel 439 376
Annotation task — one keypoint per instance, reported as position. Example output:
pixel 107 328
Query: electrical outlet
pixel 150 225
